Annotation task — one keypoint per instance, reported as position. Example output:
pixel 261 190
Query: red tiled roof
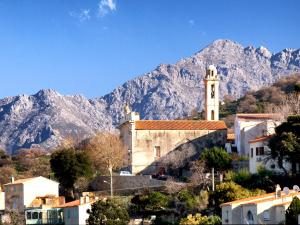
pixel 259 139
pixel 179 125
pixel 70 204
pixel 258 116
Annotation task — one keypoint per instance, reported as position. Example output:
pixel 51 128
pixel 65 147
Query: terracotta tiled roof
pixel 272 199
pixel 266 196
pixel 70 204
pixel 179 125
pixel 259 199
pixel 257 116
pixel 259 139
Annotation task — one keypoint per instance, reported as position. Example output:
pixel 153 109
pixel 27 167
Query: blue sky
pixel 93 46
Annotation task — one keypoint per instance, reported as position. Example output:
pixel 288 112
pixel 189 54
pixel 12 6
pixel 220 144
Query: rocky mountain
pixel 173 91
pixel 44 119
pixel 167 92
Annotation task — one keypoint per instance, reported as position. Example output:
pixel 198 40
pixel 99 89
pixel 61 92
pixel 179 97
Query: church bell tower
pixel 211 82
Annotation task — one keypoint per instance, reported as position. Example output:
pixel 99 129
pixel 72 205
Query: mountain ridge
pixel 169 91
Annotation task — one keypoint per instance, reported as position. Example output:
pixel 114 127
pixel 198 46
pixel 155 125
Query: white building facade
pixel 250 126
pixel 21 193
pixel 263 209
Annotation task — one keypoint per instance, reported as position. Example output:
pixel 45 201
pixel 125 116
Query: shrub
pixel 198 219
pixel 107 213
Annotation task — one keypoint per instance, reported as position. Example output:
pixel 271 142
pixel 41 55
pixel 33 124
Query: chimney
pixel 82 200
pixel 12 179
pixel 277 191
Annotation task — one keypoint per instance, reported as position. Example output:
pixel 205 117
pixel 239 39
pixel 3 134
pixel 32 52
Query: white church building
pixel 148 141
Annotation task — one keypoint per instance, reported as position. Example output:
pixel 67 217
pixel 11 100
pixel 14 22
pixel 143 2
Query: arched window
pixel 212 94
pixel 212 115
pixel 250 218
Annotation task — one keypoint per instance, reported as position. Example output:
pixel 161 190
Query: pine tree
pixel 292 212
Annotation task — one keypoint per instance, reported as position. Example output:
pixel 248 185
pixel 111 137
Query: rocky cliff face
pixel 168 92
pixel 44 119
pixel 172 91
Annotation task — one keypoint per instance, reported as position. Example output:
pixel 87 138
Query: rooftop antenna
pixel 286 190
pixel 296 188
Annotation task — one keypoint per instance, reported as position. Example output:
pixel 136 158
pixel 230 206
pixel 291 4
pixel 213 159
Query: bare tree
pixel 107 152
pixel 198 176
pixel 289 106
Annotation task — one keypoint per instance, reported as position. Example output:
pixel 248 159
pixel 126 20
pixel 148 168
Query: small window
pixel 256 150
pixel 35 215
pixel 212 115
pixel 266 215
pixel 250 217
pixel 40 215
pixel 157 152
pixel 28 215
pixel 212 91
pixel 15 189
pixel 251 152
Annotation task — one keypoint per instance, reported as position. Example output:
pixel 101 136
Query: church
pixel 149 141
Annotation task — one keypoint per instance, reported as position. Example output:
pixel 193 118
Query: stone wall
pixel 125 182
pixel 177 148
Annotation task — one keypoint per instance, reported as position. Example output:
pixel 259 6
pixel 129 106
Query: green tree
pixel 285 144
pixel 198 219
pixel 292 212
pixel 230 191
pixel 216 158
pixel 107 213
pixel 68 165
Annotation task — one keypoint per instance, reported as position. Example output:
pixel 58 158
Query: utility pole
pixel 213 178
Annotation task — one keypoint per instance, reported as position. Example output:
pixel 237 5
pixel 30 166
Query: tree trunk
pixel 111 182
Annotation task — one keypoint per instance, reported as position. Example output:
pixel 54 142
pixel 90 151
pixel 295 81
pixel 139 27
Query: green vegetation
pixel 107 213
pixel 285 144
pixel 292 212
pixel 230 191
pixel 198 219
pixel 68 165
pixel 261 101
pixel 216 158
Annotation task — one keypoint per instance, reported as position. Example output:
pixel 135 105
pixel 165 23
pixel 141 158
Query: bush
pixel 230 191
pixel 198 219
pixel 107 213
pixel 292 212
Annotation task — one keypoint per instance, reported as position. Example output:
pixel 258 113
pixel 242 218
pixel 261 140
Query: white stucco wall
pixel 248 129
pixel 18 195
pixel 144 142
pixel 2 201
pixel 39 186
pixel 259 161
pixel 77 214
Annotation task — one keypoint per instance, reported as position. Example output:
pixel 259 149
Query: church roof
pixel 179 125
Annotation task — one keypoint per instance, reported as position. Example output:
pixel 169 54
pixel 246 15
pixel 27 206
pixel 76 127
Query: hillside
pixel 167 92
pixel 262 100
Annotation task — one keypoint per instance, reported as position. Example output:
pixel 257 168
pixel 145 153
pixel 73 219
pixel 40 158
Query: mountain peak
pixel 47 93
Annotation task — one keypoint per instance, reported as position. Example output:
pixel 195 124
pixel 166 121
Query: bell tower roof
pixel 211 72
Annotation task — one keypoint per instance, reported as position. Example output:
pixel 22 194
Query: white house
pixel 2 200
pixel 259 152
pixel 21 193
pixel 250 126
pixel 76 212
pixel 263 209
